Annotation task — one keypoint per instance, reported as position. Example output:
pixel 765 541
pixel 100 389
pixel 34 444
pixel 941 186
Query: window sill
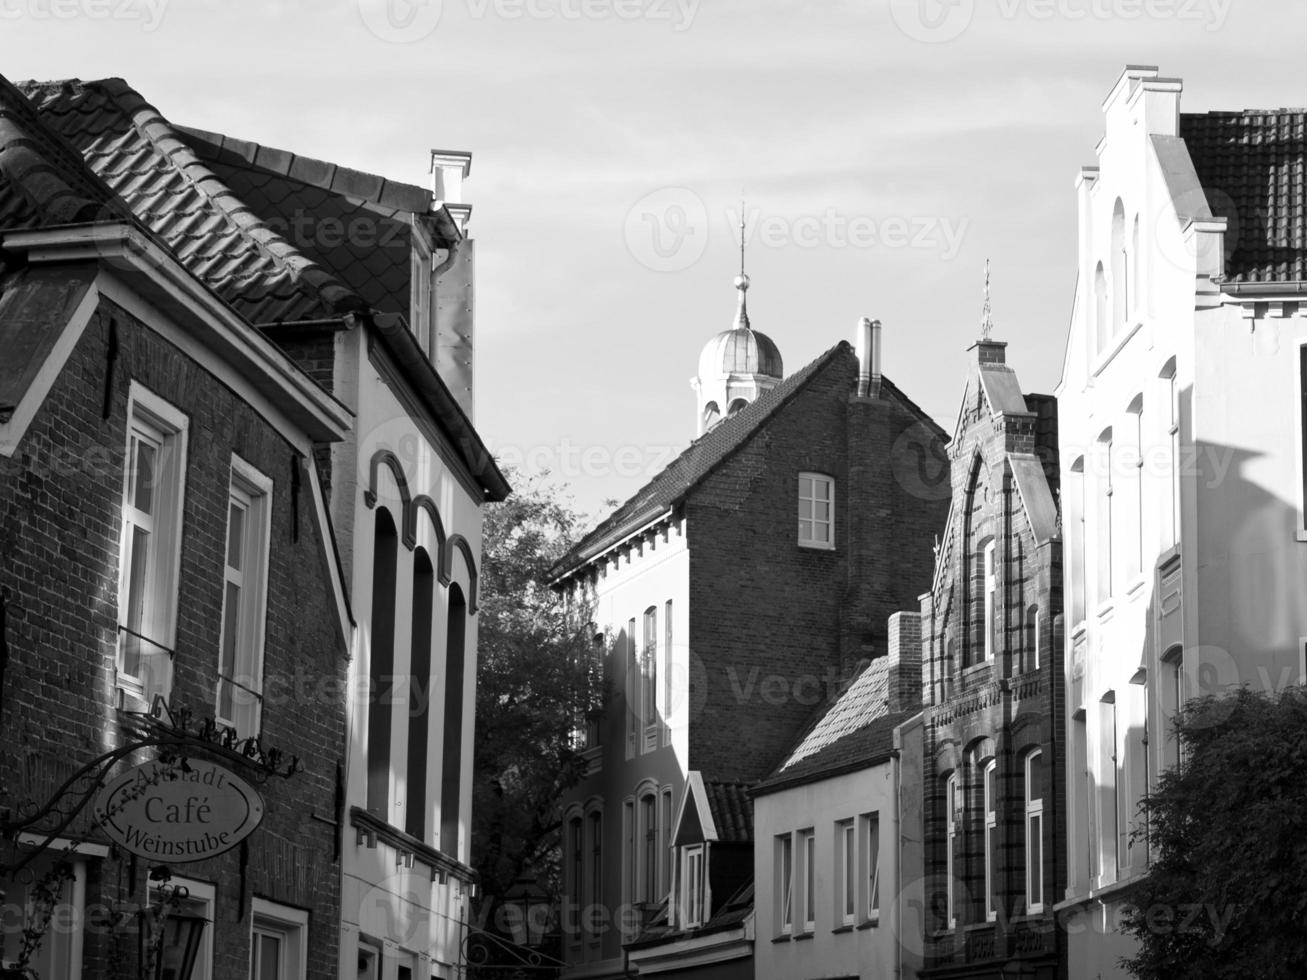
pixel 1115 345
pixel 783 938
pixel 816 546
pixel 839 929
pixel 799 937
pixel 870 923
pixel 1136 588
pixel 1301 535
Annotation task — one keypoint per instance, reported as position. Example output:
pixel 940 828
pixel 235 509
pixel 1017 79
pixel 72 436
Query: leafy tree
pixel 533 670
pixel 1227 894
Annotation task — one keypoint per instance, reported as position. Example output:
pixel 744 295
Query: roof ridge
pixel 151 125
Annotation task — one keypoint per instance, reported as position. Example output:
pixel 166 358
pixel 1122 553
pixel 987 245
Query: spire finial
pixel 742 282
pixel 987 316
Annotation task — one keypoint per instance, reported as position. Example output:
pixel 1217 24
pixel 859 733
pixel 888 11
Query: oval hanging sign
pixel 159 812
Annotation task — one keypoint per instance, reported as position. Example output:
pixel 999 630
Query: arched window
pixel 1172 697
pixel 990 804
pixel 1032 638
pixel 419 695
pixel 1103 529
pixel 452 773
pixel 1120 261
pixel 596 822
pixel 1171 414
pixel 648 871
pixel 1077 568
pixel 1132 472
pixel 1138 298
pixel 575 845
pixel 711 415
pixel 990 625
pixel 735 406
pixel 381 662
pixel 952 838
pixel 1034 798
pixel 649 674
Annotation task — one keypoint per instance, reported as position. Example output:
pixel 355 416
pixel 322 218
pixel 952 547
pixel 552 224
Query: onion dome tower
pixel 736 366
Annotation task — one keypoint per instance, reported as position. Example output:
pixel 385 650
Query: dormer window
pixel 692 886
pixel 816 511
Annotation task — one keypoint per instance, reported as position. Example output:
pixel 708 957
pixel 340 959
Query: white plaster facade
pixel 1180 410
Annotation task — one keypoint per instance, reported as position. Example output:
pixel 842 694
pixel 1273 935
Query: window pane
pixel 1036 777
pixel 805 486
pixel 809 879
pixel 1035 861
pixel 805 509
pixel 821 511
pixel 873 864
pixel 143 477
pixel 821 489
pixel 235 536
pixel 850 870
pixel 267 953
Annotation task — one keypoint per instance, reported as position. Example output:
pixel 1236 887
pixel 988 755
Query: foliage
pixel 533 671
pixel 1226 896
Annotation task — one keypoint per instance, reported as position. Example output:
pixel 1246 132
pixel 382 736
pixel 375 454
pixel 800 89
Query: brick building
pixel 1182 402
pixel 162 542
pixel 987 757
pixel 732 595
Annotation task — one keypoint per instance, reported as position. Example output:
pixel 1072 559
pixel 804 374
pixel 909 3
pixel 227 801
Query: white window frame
pixel 370 950
pixel 847 873
pixel 952 791
pixel 647 834
pixel 806 862
pixel 808 527
pixel 991 596
pixel 201 899
pixel 154 421
pixel 693 886
pixel 633 692
pixel 1034 811
pixel 784 876
pixel 291 927
pixel 250 491
pixel 989 791
pixel 649 680
pixel 869 868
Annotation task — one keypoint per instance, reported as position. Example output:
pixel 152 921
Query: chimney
pixel 868 348
pixel 904 656
pixel 448 170
pixel 990 351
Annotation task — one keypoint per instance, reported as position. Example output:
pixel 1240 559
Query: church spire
pixel 742 283
pixel 987 314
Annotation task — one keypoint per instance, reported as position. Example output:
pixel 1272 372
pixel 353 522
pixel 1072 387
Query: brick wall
pixel 60 513
pixel 779 628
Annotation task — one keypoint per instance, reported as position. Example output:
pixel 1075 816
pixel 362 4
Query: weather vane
pixel 741 236
pixel 987 316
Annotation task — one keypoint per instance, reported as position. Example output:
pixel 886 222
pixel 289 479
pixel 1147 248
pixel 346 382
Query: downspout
pixel 895 760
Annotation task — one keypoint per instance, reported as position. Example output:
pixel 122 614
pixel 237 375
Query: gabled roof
pixel 356 225
pixel 142 158
pixel 856 731
pixel 732 810
pixel 1253 169
pixel 704 455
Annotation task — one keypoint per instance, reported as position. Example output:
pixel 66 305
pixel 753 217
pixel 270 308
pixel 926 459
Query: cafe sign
pixel 169 813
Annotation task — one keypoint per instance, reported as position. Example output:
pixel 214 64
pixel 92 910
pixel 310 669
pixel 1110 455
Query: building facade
pixel 167 558
pixel 736 592
pixel 1182 461
pixel 991 759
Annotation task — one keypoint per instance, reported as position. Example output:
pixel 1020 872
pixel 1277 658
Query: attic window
pixel 816 511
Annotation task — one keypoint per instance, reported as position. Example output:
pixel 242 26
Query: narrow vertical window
pixel 1034 780
pixel 593 733
pixel 629 884
pixel 244 602
pixel 1302 391
pixel 150 547
pixel 669 694
pixel 1078 567
pixel 1172 680
pixel 1134 547
pixel 846 867
pixel 952 827
pixel 451 781
pixel 1120 263
pixel 419 696
pixel 632 693
pixel 808 879
pixel 381 663
pixel 695 913
pixel 1102 328
pixel 596 893
pixel 1103 559
pixel 784 885
pixel 576 861
pixel 649 679
pixel 1173 432
pixel 871 876
pixel 1109 822
pixel 1032 638
pixel 816 511
pixel 991 603
pixel 649 850
pixel 991 839
pixel 665 837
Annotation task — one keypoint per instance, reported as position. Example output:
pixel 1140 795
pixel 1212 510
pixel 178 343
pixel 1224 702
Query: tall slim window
pixel 649 671
pixel 1034 780
pixel 846 870
pixel 991 603
pixel 632 693
pixel 991 839
pixel 1032 638
pixel 1120 263
pixel 1109 823
pixel 808 878
pixel 278 942
pixel 381 665
pixel 665 838
pixel 150 546
pixel 693 886
pixel 596 822
pixel 649 848
pixel 1172 681
pixel 244 601
pixel 576 860
pixel 1077 568
pixel 871 866
pixel 630 886
pixel 451 780
pixel 1133 471
pixel 952 830
pixel 1173 430
pixel 1104 530
pixel 784 885
pixel 816 511
pixel 593 732
pixel 669 694
pixel 1102 328
pixel 419 694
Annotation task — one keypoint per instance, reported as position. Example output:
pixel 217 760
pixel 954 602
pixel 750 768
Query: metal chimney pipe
pixel 868 349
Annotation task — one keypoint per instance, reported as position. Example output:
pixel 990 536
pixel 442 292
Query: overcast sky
pixel 884 151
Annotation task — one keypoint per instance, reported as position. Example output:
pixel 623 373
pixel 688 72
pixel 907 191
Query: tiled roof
pixel 43 181
pixel 856 729
pixel 354 224
pixel 142 158
pixel 704 455
pixel 732 810
pixel 1252 169
pixel 732 912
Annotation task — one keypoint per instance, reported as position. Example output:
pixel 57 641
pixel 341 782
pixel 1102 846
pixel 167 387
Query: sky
pixel 883 149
